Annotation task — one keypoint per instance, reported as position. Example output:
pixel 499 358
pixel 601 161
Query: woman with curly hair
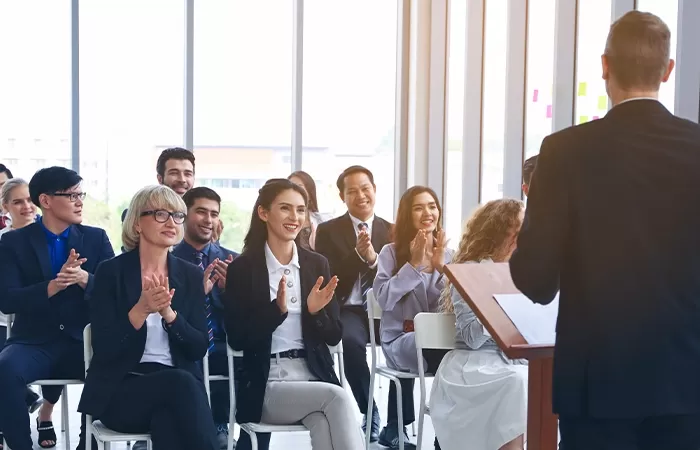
pixel 478 393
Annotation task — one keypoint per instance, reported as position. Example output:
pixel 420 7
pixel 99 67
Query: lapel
pixel 379 234
pixel 41 249
pixel 260 286
pixel 347 231
pixel 174 280
pixel 308 278
pixel 132 276
pixel 75 241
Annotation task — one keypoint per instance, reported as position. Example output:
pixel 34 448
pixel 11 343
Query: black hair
pixel 528 168
pixel 352 170
pixel 310 186
pixel 257 232
pixel 51 180
pixel 195 194
pixel 6 171
pixel 173 153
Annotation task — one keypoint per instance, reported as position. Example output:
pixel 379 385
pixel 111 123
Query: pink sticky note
pixel 535 95
pixel 596 117
pixel 549 111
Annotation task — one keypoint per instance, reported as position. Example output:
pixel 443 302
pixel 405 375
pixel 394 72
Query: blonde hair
pixel 8 187
pixel 485 236
pixel 147 199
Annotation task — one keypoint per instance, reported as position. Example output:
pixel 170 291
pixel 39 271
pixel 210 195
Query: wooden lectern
pixel 478 283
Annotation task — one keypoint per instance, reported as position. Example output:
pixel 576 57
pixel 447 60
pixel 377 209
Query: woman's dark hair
pixel 404 231
pixel 310 186
pixel 257 232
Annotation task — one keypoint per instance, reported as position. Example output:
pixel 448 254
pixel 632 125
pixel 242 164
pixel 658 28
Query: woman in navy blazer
pixel 149 330
pixel 277 313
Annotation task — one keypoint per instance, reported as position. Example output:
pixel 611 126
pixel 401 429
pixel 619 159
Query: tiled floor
pixel 286 441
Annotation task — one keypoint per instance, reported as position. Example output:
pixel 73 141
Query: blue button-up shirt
pixel 58 247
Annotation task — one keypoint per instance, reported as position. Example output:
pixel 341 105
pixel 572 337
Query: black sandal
pixel 46 434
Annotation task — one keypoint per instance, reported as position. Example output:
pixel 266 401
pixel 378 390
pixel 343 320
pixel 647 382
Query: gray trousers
pixel 292 396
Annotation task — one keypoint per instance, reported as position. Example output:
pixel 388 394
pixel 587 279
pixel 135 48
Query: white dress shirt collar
pixel 274 266
pixel 637 98
pixel 356 222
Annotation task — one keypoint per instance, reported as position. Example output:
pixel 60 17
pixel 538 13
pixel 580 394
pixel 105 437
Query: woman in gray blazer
pixel 409 281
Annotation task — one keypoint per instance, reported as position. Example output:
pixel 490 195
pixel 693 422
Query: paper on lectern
pixel 535 322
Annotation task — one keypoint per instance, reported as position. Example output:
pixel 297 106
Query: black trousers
pixel 355 340
pixel 171 404
pixel 433 357
pixel 654 433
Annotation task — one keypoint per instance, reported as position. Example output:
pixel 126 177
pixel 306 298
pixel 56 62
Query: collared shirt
pixel 355 297
pixel 287 336
pixel 637 98
pixel 58 247
pixel 157 349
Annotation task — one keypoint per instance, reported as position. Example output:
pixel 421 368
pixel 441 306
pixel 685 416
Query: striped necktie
pixel 199 259
pixel 366 278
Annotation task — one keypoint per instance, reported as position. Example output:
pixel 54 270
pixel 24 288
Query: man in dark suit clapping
pixel 203 207
pixel 612 223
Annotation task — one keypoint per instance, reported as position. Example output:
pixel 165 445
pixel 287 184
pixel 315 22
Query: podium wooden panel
pixel 478 283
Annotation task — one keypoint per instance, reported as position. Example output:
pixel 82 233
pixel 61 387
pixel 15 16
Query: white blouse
pixel 287 336
pixel 157 348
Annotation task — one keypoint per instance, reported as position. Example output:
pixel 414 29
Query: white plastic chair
pixel 103 435
pixel 65 420
pixel 433 331
pixel 253 428
pixel 374 312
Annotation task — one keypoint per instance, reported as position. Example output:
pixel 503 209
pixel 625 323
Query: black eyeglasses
pixel 162 216
pixel 72 196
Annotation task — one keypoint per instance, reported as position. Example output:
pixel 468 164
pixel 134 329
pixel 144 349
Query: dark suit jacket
pixel 336 240
pixel 25 273
pixel 117 346
pixel 613 221
pixel 184 251
pixel 252 316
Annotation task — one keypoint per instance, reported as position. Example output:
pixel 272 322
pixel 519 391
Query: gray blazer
pixel 405 294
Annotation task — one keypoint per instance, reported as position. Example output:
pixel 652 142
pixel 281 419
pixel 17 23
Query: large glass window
pixel 131 99
pixel 540 74
pixel 35 104
pixel 349 96
pixel 593 27
pixel 667 10
pixel 242 103
pixel 495 65
pixel 457 22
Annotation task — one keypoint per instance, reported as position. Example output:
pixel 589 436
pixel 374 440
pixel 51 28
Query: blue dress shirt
pixel 58 247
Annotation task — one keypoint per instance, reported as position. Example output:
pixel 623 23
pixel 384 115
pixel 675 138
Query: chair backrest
pixel 87 347
pixel 374 311
pixel 10 319
pixel 435 330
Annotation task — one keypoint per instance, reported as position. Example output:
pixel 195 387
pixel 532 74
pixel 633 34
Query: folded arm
pixel 190 332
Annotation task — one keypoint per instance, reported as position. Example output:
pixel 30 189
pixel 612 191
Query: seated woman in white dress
pixel 409 281
pixel 479 396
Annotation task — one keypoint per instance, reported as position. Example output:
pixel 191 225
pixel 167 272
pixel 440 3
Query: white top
pixel 287 336
pixel 355 297
pixel 157 348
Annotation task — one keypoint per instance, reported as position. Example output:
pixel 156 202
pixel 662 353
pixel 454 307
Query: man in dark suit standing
pixel 351 243
pixel 612 223
pixel 203 207
pixel 45 271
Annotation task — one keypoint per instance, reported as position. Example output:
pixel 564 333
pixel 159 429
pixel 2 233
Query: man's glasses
pixel 72 196
pixel 162 216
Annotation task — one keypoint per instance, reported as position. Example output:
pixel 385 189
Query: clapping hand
pixel 419 249
pixel 71 273
pixel 437 253
pixel 364 247
pixel 282 295
pixel 318 298
pixel 155 294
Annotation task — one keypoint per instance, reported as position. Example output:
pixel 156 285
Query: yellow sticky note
pixel 603 102
pixel 583 119
pixel 582 87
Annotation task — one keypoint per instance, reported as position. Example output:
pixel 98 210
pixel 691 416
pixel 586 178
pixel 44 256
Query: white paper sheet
pixel 535 322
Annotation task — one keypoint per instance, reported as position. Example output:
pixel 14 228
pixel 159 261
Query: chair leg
pixel 100 445
pixel 253 441
pixel 370 410
pixel 421 420
pixel 399 411
pixel 88 432
pixel 65 414
pixel 149 444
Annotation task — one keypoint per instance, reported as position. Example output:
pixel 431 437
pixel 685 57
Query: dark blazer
pixel 336 240
pixel 25 273
pixel 117 346
pixel 252 316
pixel 185 251
pixel 613 222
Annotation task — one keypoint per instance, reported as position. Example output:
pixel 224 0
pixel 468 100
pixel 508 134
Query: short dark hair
pixel 51 180
pixel 173 153
pixel 350 171
pixel 638 50
pixel 310 186
pixel 6 171
pixel 195 194
pixel 528 168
